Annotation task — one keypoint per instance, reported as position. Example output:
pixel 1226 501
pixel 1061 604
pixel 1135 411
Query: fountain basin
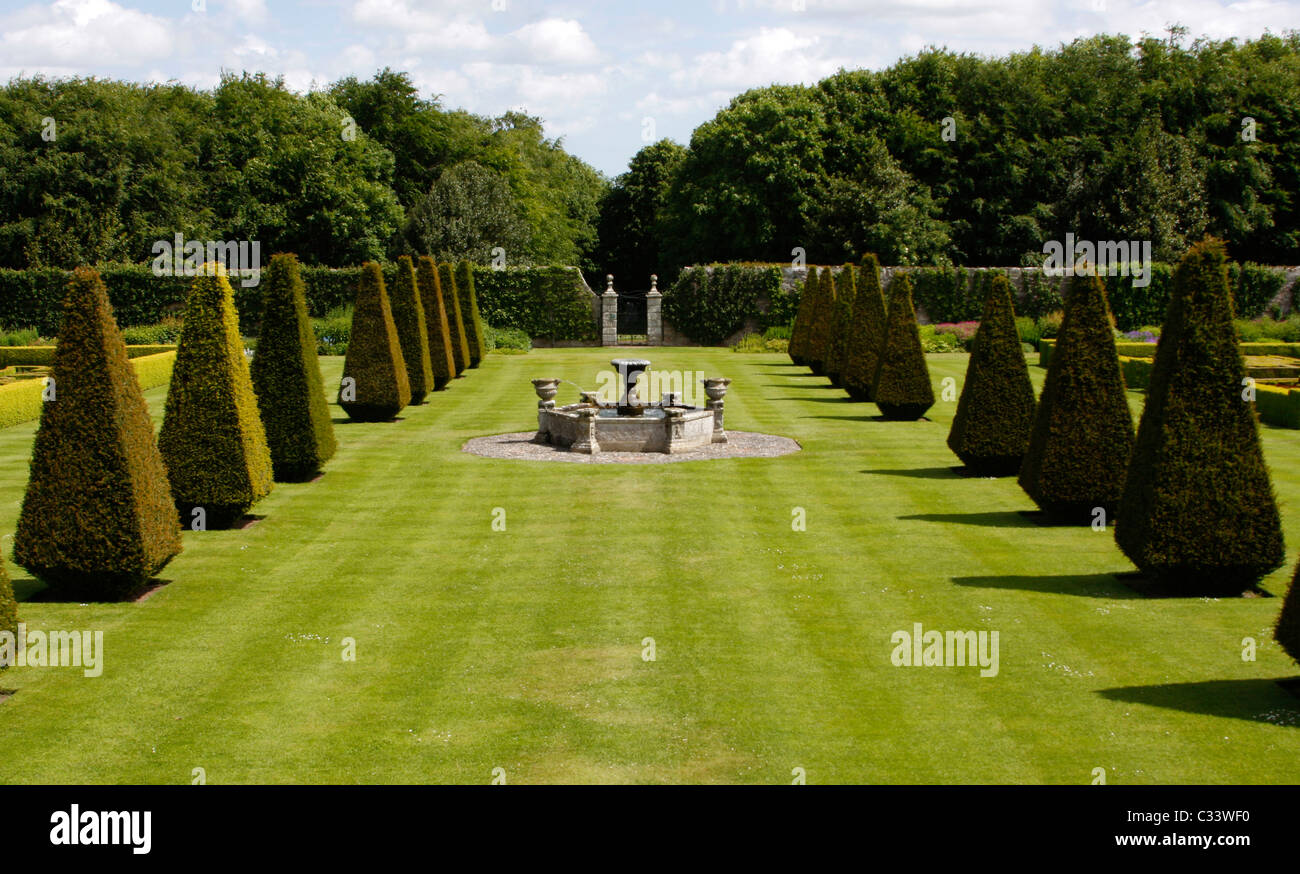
pixel 588 428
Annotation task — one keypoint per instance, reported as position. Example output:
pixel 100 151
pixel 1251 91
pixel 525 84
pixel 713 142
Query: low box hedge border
pixel 41 356
pixel 1277 405
pixel 21 401
pixel 1148 350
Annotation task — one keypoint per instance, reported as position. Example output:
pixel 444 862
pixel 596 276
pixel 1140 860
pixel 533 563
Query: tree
pixel 469 212
pixel 1083 431
pixel 841 325
pixel 472 321
pixel 631 214
pixel 375 385
pixel 97 519
pixel 995 413
pixel 1198 506
pixel 902 385
pixel 286 377
pixel 456 318
pixel 412 330
pixel 212 439
pixel 440 345
pixel 867 334
pixel 819 336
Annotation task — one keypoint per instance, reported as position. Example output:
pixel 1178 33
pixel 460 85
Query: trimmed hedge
pixel 867 334
pixel 1198 507
pixel 470 313
pixel 455 318
pixel 819 338
pixel 544 302
pixel 41 356
pixel 1287 631
pixel 286 377
pixel 375 386
pixel 946 294
pixel 412 330
pixel 902 385
pixel 1083 431
pixel 1278 405
pixel 841 325
pixel 709 304
pixel 97 519
pixel 8 608
pixel 990 430
pixel 212 436
pixel 435 321
pixel 1148 350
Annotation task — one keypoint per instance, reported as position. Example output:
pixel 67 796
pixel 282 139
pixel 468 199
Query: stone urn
pixel 716 387
pixel 546 389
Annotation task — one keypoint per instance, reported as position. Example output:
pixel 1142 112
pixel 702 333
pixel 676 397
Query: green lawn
pixel 522 649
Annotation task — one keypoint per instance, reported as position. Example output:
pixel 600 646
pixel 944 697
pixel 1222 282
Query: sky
pixel 606 76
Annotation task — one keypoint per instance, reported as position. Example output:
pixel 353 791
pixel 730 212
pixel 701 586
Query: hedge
pixel 8 607
pixel 710 303
pixel 97 518
pixel 21 401
pixel 212 436
pixel 41 356
pixel 1148 350
pixel 1198 508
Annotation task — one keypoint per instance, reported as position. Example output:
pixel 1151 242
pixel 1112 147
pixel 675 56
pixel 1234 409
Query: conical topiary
pixel 1198 508
pixel 8 616
pixel 866 337
pixel 212 439
pixel 990 430
pixel 470 314
pixel 435 318
pixel 1083 431
pixel 841 324
pixel 819 340
pixel 375 386
pixel 1287 632
pixel 455 319
pixel 412 332
pixel 286 377
pixel 902 389
pixel 798 349
pixel 97 520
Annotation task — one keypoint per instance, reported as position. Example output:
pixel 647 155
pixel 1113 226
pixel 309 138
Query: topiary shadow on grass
pixel 1261 700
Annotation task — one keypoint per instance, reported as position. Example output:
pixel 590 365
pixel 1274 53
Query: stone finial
pixel 654 285
pixel 609 284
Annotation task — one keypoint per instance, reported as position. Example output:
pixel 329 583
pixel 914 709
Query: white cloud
pixel 253 11
pixel 774 54
pixel 556 41
pixel 85 34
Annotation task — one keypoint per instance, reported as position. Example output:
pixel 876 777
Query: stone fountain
pixel 630 424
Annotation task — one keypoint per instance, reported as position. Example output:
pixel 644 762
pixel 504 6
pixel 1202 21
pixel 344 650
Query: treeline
pixel 96 171
pixel 948 158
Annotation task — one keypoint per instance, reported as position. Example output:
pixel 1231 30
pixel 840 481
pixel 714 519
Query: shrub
pixel 1049 325
pixel 1027 331
pixel 550 302
pixel 24 337
pixel 412 331
pixel 841 325
pixel 866 334
pixel 455 318
pixel 1254 287
pixel 963 332
pixel 375 386
pixel 8 608
pixel 1042 294
pixel 819 337
pixel 212 438
pixel 469 312
pixel 1198 506
pixel 946 294
pixel 933 341
pixel 97 519
pixel 332 331
pixel 1287 632
pixel 777 332
pixel 435 321
pixel 506 340
pixel 799 334
pixel 1083 430
pixel 708 304
pixel 903 390
pixel 166 333
pixel 1134 306
pixel 286 377
pixel 996 410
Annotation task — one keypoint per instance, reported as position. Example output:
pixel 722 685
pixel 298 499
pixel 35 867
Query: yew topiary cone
pixel 97 520
pixel 435 317
pixel 819 338
pixel 412 332
pixel 1083 431
pixel 455 319
pixel 866 337
pixel 1287 631
pixel 8 616
pixel 212 439
pixel 375 386
pixel 1198 508
pixel 286 377
pixel 469 312
pixel 798 349
pixel 995 414
pixel 902 390
pixel 841 325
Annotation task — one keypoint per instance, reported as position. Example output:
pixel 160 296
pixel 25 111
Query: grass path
pixel 522 649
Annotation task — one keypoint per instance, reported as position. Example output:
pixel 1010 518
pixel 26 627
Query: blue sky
pixel 607 76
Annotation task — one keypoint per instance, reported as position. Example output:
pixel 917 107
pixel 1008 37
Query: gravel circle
pixel 520 445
